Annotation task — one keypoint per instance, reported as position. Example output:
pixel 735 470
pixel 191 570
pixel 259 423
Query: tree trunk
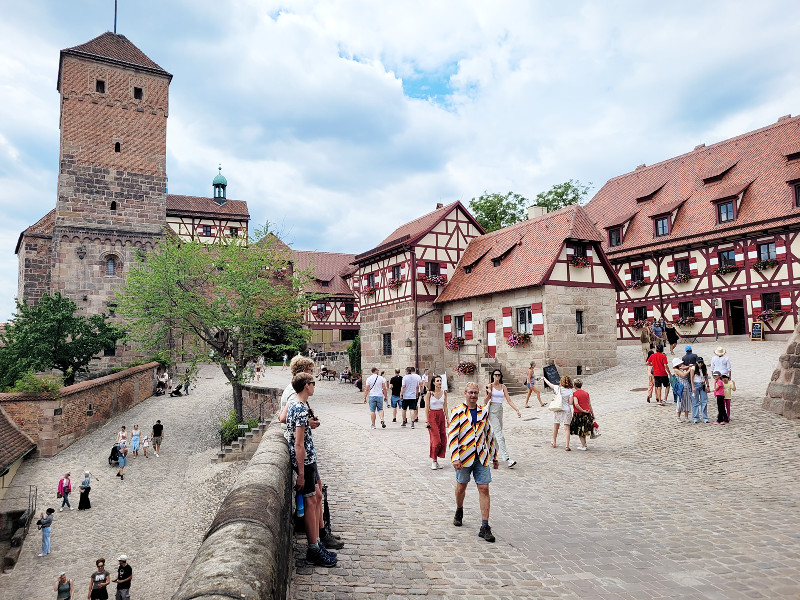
pixel 237 401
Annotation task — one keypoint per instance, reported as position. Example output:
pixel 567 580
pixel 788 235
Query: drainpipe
pixel 414 294
pixel 658 274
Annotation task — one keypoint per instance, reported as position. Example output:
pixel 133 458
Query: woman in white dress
pixel 563 416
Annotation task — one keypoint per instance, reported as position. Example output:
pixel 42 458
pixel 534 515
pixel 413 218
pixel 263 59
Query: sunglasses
pixel 314 383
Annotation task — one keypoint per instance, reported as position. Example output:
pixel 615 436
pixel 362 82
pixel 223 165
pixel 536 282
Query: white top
pixel 721 364
pixel 374 385
pixel 566 394
pixel 288 395
pixel 438 403
pixel 497 395
pixel 411 383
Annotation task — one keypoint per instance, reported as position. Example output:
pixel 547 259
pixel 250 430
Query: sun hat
pixel 123 558
pixel 62 573
pixel 720 351
pixel 717 373
pixel 677 361
pixel 688 348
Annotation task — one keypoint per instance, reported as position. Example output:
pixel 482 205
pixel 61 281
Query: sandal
pixel 568 449
pixel 553 445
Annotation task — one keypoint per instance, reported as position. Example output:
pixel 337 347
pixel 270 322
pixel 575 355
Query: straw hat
pixel 720 351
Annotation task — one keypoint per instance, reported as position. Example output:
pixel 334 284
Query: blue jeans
pixel 396 402
pixel 699 402
pixel 375 403
pixel 481 474
pixel 45 540
pixel 65 501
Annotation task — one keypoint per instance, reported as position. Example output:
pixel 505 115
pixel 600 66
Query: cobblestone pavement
pixel 157 515
pixel 655 509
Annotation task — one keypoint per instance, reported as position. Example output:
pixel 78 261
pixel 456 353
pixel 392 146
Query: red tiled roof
pixel 650 189
pixel 759 159
pixel 728 191
pixel 198 205
pixel 621 219
pixel 114 48
pixel 42 227
pixel 326 267
pixel 14 443
pixel 715 170
pixel 534 244
pixel 410 232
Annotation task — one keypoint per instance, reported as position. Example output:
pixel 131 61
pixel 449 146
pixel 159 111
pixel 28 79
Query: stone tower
pixel 112 182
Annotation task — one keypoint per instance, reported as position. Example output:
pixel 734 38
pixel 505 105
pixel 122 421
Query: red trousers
pixel 437 433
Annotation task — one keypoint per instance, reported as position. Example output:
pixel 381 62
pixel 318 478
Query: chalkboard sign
pixel 757 331
pixel 551 374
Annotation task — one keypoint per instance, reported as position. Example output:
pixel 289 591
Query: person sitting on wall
pixel 345 374
pixel 323 372
pixel 161 386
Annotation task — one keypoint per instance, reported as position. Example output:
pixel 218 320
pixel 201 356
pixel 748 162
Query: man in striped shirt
pixel 472 446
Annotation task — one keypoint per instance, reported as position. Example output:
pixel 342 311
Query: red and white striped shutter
pixel 420 271
pixel 646 273
pixel 537 319
pixel 570 251
pixel 314 308
pixel 786 301
pixel 752 253
pixel 650 313
pixel 755 303
pixel 780 249
pixel 627 276
pixel 355 310
pixel 491 338
pixel 506 321
pixel 738 254
pixel 675 310
pixel 698 309
pixel 447 328
pixel 693 266
pixel 467 325
pixel 443 270
pixel 670 269
pixel 589 255
pixel 713 261
pixel 631 318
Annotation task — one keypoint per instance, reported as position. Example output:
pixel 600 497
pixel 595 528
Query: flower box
pixel 516 339
pixel 724 270
pixel 769 315
pixel 370 290
pixel 763 265
pixel 394 283
pixel 685 321
pixel 465 367
pixel 454 343
pixel 434 279
pixel 635 285
pixel 322 314
pixel 638 324
pixel 349 316
pixel 579 261
pixel 681 277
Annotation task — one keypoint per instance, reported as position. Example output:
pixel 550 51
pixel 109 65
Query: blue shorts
pixel 396 402
pixel 375 403
pixel 481 474
pixel 122 460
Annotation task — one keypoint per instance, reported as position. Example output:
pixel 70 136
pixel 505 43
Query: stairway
pixel 514 387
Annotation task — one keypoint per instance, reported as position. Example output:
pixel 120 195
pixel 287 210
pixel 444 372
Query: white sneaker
pixel 434 465
pixel 680 420
pixel 582 448
pixel 372 427
pixel 41 555
pixel 61 509
pixel 156 453
pixel 511 462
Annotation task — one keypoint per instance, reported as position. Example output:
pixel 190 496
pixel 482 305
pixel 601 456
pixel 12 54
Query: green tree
pixel 495 211
pixel 50 335
pixel 563 194
pixel 354 354
pixel 221 297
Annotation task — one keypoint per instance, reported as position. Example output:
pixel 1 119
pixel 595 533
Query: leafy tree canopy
pixel 495 211
pixel 231 298
pixel 563 194
pixel 50 335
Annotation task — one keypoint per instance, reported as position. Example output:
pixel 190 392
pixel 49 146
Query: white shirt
pixel 411 383
pixel 375 385
pixel 721 364
pixel 437 403
pixel 288 395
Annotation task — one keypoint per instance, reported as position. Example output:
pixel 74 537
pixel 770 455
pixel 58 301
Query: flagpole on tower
pixel 115 17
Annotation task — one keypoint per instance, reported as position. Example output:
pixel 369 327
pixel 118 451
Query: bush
pixel 354 354
pixel 29 383
pixel 229 429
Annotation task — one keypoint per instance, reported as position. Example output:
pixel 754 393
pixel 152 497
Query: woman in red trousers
pixel 436 416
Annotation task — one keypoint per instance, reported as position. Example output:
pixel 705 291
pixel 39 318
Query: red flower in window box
pixel 635 285
pixel 763 265
pixel 685 321
pixel 454 343
pixel 681 277
pixel 639 323
pixel 465 367
pixel 370 290
pixel 435 279
pixel 394 283
pixel 579 261
pixel 516 339
pixel 769 315
pixel 724 270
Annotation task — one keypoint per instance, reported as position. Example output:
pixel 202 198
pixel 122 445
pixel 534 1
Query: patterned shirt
pixel 466 441
pixel 297 416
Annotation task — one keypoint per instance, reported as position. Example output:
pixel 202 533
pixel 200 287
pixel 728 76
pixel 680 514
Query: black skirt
pixel 581 424
pixel 84 503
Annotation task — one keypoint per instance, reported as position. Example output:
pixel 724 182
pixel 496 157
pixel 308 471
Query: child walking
pixel 146 446
pixel 719 393
pixel 730 386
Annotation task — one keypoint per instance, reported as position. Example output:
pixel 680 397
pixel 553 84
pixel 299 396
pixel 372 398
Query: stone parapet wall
pixel 247 550
pixel 260 401
pixel 333 360
pixel 55 423
pixel 783 391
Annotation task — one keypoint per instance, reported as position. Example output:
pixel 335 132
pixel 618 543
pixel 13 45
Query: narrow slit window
pixel 117 147
pixel 113 205
pixel 138 94
pixel 579 321
pixel 111 266
pixel 100 86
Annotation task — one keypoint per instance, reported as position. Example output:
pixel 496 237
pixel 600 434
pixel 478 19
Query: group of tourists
pixel 691 381
pixel 99 581
pixel 661 333
pixel 123 445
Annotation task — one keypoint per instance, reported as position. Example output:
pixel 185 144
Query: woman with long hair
pixel 565 389
pixel 532 387
pixel 496 392
pixel 437 416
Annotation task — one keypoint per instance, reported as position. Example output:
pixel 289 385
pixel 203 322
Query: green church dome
pixel 220 178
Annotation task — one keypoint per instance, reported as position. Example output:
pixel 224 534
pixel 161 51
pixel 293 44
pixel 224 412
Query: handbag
pixel 58 494
pixel 422 402
pixel 595 431
pixel 556 403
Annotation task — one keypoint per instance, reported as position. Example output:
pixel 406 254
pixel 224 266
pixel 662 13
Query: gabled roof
pixel 327 267
pixel 14 443
pixel 411 232
pixel 756 163
pixel 204 207
pixel 42 228
pixel 114 49
pixel 534 246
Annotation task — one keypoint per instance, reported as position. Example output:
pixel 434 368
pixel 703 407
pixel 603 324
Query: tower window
pixel 100 86
pixel 111 265
pixel 113 205
pixel 138 93
pixel 117 147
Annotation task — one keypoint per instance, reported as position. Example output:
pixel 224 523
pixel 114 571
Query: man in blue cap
pixel 690 358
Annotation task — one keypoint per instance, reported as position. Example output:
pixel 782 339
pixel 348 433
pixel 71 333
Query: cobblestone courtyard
pixel 655 509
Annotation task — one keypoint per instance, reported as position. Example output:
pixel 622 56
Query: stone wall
pixel 333 360
pixel 259 401
pixel 55 423
pixel 783 391
pixel 33 277
pixel 248 548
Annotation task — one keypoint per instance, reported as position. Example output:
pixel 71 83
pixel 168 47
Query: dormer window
pixel 578 249
pixel 726 211
pixel 100 86
pixel 468 269
pixel 496 262
pixel 117 147
pixel 615 236
pixel 661 225
pixel 138 93
pixel 325 283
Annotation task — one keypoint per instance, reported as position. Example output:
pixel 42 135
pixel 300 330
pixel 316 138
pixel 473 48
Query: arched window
pixel 113 205
pixel 111 265
pixel 116 147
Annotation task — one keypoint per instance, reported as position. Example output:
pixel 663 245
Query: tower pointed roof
pixel 114 49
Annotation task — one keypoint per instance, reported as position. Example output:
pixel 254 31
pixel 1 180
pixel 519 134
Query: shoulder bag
pixel 556 403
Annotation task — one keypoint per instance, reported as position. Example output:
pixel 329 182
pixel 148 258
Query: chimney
pixel 784 118
pixel 535 211
pixel 699 146
pixel 641 166
pixel 439 205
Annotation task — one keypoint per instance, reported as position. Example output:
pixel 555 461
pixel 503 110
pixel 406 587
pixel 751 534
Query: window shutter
pixel 467 325
pixel 739 255
pixel 506 321
pixel 420 271
pixel 631 318
pixel 675 311
pixel 443 270
pixel 646 273
pixel 780 249
pixel 670 269
pixel 589 255
pixel 693 266
pixel 698 309
pixel 447 328
pixel 755 303
pixel 752 253
pixel 786 301
pixel 650 312
pixel 627 274
pixel 537 319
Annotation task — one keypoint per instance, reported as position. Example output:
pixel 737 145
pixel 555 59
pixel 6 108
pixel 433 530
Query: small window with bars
pixel 615 237
pixel 387 344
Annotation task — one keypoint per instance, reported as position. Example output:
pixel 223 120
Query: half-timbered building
pixel 397 282
pixel 333 317
pixel 708 239
pixel 539 290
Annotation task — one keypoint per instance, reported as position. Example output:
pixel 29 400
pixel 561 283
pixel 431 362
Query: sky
pixel 337 121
